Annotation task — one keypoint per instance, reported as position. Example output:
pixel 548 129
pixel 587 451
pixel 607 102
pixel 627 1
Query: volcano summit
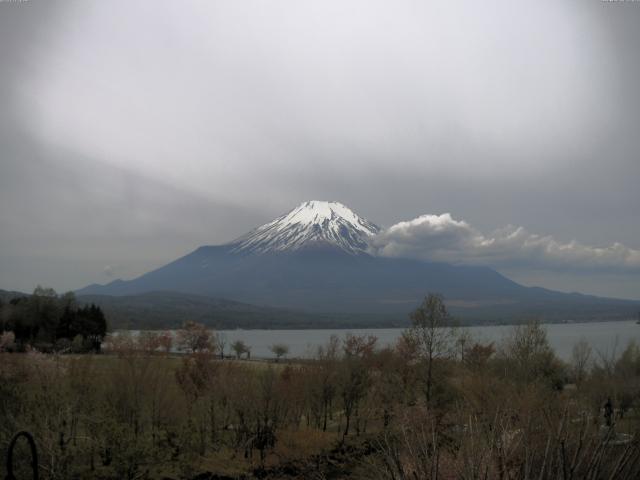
pixel 315 258
pixel 311 224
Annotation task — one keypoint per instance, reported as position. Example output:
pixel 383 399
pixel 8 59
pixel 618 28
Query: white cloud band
pixel 442 238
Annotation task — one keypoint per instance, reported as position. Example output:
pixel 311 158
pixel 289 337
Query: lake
pixel 605 337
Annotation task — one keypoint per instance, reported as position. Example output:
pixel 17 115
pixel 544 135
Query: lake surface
pixel 606 337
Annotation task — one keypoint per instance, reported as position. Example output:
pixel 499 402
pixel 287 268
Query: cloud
pixel 253 91
pixel 443 238
pixel 169 125
pixel 108 271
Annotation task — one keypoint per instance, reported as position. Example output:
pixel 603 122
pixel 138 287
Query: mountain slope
pixel 315 259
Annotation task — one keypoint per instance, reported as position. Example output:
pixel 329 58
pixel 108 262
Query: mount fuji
pixel 311 225
pixel 315 259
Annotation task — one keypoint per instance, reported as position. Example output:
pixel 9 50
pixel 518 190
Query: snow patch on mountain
pixel 313 223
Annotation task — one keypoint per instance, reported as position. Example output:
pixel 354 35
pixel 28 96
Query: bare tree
pixel 195 337
pixel 240 348
pixel 327 361
pixel 527 355
pixel 165 341
pixel 462 341
pixel 279 350
pixel 432 335
pixel 478 354
pixel 580 359
pixel 7 341
pixel 221 343
pixel 355 376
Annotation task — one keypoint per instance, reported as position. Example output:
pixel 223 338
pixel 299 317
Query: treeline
pixel 438 404
pixel 168 310
pixel 50 322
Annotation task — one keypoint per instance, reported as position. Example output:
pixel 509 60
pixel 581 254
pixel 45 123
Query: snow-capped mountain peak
pixel 313 223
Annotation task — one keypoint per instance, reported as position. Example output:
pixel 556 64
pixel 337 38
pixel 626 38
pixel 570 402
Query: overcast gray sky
pixel 132 132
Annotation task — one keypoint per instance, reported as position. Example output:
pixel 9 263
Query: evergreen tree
pixel 44 318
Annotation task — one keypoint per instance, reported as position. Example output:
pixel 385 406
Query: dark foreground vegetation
pixel 438 404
